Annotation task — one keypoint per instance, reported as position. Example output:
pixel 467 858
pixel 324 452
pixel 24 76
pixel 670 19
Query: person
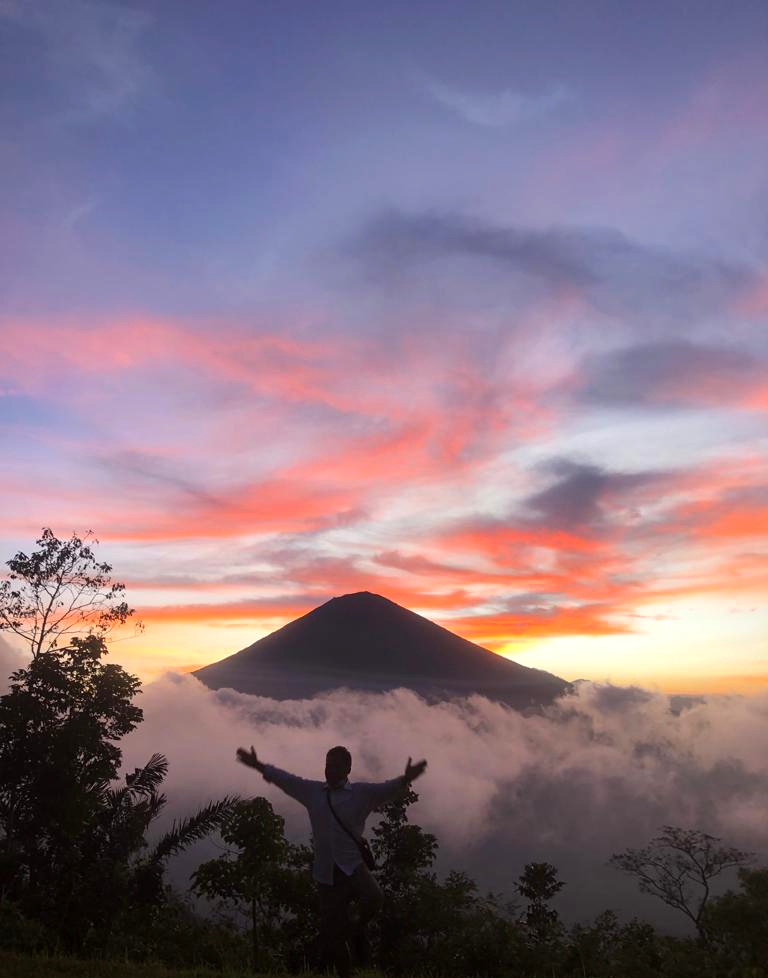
pixel 338 867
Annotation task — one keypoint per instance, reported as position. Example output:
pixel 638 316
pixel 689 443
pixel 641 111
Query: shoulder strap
pixel 335 815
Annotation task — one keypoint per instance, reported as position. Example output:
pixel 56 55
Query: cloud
pixel 498 109
pixel 597 772
pixel 315 476
pixel 140 468
pixel 574 500
pixel 10 660
pixel 674 373
pixel 92 50
pixel 616 275
pixel 394 240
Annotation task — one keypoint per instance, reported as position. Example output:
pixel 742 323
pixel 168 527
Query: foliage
pixel 435 927
pixel 62 715
pixel 678 867
pixel 174 933
pixel 405 854
pixel 58 725
pixel 73 853
pixel 538 884
pixel 402 851
pixel 121 872
pixel 60 590
pixel 17 965
pixel 606 948
pixel 259 875
pixel 738 922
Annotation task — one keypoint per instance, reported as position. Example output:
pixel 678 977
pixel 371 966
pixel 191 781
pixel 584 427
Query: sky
pixel 463 303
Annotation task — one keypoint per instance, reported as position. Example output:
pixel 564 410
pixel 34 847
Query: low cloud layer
pixel 10 661
pixel 600 771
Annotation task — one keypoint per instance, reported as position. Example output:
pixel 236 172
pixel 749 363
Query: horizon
pixel 464 305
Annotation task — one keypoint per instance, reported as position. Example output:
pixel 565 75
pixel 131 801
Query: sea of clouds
pixel 600 770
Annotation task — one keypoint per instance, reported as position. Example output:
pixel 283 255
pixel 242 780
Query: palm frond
pixel 185 831
pixel 147 779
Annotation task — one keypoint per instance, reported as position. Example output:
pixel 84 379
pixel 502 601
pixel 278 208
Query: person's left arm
pixel 378 794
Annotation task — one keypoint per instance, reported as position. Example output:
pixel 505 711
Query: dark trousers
pixel 337 932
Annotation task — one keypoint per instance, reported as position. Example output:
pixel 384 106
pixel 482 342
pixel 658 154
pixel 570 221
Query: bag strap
pixel 335 815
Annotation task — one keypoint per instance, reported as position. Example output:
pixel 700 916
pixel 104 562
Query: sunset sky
pixel 463 303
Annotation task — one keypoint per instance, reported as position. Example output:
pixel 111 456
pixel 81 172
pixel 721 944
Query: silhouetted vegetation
pixel 264 879
pixel 78 875
pixel 678 867
pixel 75 866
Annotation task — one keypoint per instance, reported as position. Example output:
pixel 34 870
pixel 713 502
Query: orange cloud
pixel 496 631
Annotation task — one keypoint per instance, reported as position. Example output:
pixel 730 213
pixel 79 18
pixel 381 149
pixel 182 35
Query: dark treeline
pixel 79 876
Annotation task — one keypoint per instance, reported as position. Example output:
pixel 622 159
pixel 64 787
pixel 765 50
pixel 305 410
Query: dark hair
pixel 341 752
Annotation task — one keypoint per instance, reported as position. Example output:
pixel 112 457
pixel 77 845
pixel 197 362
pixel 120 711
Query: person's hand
pixel 249 758
pixel 413 771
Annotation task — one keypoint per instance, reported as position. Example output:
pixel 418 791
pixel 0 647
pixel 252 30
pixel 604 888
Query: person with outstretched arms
pixel 337 809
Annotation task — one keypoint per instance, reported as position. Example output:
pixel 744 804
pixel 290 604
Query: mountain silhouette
pixel 363 641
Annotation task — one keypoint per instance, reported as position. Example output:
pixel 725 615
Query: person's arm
pixel 385 791
pixel 291 784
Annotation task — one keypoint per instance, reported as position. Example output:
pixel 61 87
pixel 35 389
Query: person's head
pixel 338 764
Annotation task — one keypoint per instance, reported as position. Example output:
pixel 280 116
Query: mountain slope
pixel 364 641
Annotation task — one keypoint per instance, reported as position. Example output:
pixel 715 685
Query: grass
pixel 13 965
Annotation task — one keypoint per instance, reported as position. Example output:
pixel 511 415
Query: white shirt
pixel 353 804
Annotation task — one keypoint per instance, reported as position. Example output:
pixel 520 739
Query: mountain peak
pixel 359 598
pixel 365 641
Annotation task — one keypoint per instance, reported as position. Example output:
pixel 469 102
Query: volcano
pixel 365 642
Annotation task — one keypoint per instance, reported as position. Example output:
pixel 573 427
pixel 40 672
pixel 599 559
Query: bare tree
pixel 60 590
pixel 677 867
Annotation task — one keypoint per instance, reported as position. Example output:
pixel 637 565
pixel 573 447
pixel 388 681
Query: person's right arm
pixel 291 784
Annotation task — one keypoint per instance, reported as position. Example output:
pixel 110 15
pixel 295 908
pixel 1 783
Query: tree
pixel 538 884
pixel 403 851
pixel 405 854
pixel 737 922
pixel 62 716
pixel 256 876
pixel 60 590
pixel 678 866
pixel 605 948
pixel 466 933
pixel 59 723
pixel 72 848
pixel 120 872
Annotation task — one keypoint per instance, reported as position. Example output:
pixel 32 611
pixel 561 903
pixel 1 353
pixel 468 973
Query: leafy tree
pixel 467 934
pixel 538 884
pixel 402 850
pixel 58 725
pixel 678 867
pixel 59 591
pixel 257 875
pixel 606 948
pixel 737 923
pixel 405 854
pixel 72 848
pixel 429 926
pixel 120 871
pixel 63 714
